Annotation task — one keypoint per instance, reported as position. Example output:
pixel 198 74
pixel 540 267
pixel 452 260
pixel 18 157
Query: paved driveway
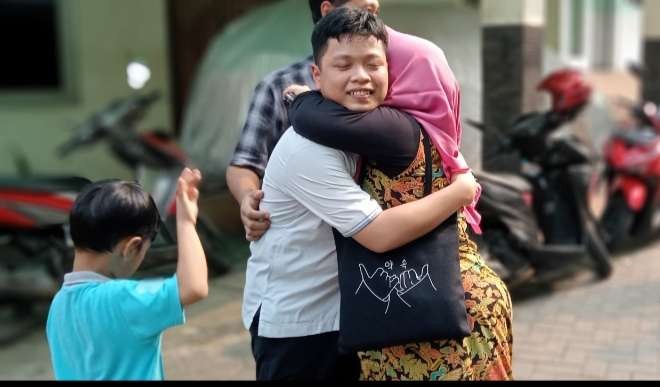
pixel 583 329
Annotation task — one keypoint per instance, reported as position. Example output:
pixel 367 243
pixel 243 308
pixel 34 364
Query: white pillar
pixel 513 12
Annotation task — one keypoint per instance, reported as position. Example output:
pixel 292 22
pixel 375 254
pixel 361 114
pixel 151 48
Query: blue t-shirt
pixel 102 329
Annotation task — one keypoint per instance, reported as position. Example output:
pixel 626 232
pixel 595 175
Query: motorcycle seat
pixel 45 184
pixel 637 137
pixel 508 180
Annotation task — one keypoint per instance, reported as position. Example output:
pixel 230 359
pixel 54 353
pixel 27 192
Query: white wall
pixel 628 34
pixel 456 28
pixel 104 35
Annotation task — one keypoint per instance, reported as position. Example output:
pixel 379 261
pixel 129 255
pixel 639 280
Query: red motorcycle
pixel 633 161
pixel 34 236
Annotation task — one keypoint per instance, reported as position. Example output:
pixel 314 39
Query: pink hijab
pixel 423 85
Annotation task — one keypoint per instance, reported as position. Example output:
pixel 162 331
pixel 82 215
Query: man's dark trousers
pixel 314 357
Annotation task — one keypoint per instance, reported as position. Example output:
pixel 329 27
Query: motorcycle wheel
pixel 617 222
pixel 510 266
pixel 599 253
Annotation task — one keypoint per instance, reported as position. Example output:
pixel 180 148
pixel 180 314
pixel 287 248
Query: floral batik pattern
pixel 484 355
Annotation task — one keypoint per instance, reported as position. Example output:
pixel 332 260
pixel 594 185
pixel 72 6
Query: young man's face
pixel 353 72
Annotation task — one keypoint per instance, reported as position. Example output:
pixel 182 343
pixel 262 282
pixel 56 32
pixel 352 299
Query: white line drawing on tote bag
pixel 382 285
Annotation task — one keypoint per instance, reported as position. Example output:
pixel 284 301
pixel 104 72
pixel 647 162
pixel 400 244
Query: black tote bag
pixel 410 294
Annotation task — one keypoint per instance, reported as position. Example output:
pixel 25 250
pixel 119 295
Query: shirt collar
pixel 78 277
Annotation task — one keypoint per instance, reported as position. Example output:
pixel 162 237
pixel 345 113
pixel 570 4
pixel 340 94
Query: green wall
pixel 552 19
pixel 101 37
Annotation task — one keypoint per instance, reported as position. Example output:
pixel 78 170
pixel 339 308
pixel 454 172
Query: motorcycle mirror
pixel 84 134
pixel 137 75
pixel 64 149
pixel 477 125
pixel 482 127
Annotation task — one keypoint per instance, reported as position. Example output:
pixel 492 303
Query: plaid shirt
pixel 267 118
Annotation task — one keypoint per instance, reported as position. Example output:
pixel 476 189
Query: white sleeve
pixel 319 178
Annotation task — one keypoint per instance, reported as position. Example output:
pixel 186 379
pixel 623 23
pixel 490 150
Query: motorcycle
pixel 157 162
pixel 540 222
pixel 34 211
pixel 633 170
pixel 33 217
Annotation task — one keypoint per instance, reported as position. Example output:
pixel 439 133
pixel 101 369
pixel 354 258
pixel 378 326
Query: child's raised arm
pixel 191 270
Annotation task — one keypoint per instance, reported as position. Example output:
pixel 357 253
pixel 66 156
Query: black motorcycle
pixel 539 224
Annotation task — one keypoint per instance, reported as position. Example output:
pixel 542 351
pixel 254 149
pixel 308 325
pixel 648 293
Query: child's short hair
pixel 108 211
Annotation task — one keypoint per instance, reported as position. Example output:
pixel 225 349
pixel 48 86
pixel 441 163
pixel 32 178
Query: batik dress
pixel 484 355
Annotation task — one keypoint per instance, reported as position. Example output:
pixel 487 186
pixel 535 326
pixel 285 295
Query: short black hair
pixel 108 211
pixel 346 22
pixel 315 7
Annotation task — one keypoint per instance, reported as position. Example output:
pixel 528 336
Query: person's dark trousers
pixel 313 357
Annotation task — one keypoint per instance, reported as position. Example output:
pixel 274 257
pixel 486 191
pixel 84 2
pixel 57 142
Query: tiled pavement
pixel 594 330
pixel 581 330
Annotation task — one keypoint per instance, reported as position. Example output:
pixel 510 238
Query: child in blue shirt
pixel 102 325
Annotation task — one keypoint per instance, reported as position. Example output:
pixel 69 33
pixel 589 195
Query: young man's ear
pixel 326 7
pixel 132 247
pixel 316 74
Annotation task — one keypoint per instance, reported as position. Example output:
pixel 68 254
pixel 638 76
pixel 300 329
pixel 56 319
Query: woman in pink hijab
pixel 422 85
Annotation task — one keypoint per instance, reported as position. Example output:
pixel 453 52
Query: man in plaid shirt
pixel 266 122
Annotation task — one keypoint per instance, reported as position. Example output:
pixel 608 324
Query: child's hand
pixel 187 194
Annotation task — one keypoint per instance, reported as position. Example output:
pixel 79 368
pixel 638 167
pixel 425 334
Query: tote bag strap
pixel 428 159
